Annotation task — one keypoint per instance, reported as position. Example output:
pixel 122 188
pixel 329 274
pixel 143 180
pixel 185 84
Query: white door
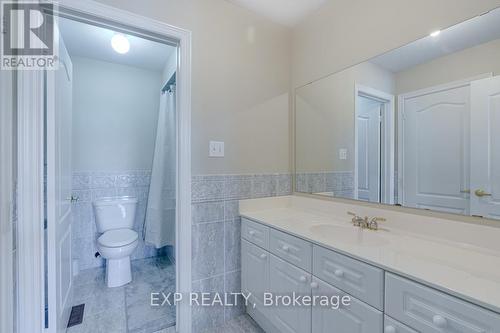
pixel 59 115
pixel 485 143
pixel 436 138
pixel 368 164
pixel 357 317
pixel 284 279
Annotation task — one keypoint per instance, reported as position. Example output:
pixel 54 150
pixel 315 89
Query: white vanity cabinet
pixel 284 280
pixel 357 317
pixel 381 302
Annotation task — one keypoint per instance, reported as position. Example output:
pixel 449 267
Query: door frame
pixel 388 140
pixel 31 155
pixel 6 203
pixel 401 117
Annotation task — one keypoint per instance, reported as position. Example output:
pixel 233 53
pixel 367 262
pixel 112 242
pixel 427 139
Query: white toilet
pixel 114 218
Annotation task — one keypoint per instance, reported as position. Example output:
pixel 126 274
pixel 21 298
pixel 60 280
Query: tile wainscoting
pixel 340 183
pixel 216 236
pixel 89 186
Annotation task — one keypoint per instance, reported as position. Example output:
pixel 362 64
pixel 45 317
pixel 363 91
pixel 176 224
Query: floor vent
pixel 76 316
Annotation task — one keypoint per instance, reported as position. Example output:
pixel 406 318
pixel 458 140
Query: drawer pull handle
pixel 303 279
pixel 251 232
pixel 263 256
pixel 439 321
pixel 285 248
pixel 339 273
pixel 390 329
pixel 314 285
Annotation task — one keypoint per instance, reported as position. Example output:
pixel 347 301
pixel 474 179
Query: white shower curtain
pixel 160 213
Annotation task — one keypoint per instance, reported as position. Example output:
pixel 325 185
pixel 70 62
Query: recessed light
pixel 120 43
pixel 435 33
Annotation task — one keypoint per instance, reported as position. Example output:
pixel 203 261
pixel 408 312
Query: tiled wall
pixel 216 236
pixel 340 183
pixel 89 186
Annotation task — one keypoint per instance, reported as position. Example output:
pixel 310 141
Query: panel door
pixel 436 142
pixel 59 170
pixel 254 272
pixel 357 317
pixel 368 132
pixel 284 280
pixel 485 141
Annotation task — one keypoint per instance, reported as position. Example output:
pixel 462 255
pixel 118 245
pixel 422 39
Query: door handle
pixel 482 193
pixel 465 191
pixel 73 199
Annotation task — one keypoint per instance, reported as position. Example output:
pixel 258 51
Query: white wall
pixel 241 80
pixel 345 32
pixel 484 58
pixel 115 111
pixel 325 117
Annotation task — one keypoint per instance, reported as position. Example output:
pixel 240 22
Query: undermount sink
pixel 349 235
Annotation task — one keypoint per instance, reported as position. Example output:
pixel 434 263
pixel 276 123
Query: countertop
pixel 463 269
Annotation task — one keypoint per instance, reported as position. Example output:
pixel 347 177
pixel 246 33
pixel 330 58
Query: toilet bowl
pixel 115 219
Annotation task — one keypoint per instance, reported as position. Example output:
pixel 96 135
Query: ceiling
pixel 464 35
pixel 85 40
pixel 286 12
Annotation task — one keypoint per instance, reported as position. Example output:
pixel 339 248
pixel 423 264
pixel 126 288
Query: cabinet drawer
pixel 430 311
pixel 357 317
pixel 255 233
pixel 294 250
pixel 358 279
pixel 393 326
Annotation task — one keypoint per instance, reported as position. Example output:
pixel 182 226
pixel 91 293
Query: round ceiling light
pixel 120 43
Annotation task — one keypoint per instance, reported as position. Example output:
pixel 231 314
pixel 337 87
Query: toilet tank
pixel 114 213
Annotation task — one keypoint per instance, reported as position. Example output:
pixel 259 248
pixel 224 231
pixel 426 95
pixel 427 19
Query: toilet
pixel 114 218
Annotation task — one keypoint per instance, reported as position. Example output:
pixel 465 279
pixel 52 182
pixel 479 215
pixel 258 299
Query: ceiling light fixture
pixel 435 33
pixel 120 43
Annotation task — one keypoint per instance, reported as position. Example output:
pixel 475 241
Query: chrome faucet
pixel 358 221
pixel 373 225
pixel 365 223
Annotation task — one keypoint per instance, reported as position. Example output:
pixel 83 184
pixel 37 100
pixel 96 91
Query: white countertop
pixel 461 259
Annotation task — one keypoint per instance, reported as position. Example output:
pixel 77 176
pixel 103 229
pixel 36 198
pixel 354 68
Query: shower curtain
pixel 160 212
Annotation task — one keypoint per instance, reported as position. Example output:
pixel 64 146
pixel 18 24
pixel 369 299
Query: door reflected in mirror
pixel 418 126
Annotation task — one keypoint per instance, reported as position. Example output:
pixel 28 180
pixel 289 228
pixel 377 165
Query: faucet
pixel 365 223
pixel 373 225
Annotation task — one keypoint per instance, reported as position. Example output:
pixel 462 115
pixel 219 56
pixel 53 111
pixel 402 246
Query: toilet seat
pixel 117 238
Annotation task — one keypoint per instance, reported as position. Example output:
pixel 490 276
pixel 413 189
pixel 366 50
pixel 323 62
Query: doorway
pixel 58 276
pixel 374 145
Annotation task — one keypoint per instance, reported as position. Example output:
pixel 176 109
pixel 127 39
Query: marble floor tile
pixel 126 309
pixel 241 324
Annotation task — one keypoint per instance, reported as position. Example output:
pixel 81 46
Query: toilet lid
pixel 117 237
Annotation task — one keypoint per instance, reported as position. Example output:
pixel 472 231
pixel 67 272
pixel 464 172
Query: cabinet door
pixel 254 272
pixel 284 280
pixel 358 317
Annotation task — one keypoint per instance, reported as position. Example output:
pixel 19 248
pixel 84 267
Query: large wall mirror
pixel 418 126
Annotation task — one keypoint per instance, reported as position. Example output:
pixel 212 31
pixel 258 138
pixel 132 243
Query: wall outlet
pixel 342 154
pixel 216 149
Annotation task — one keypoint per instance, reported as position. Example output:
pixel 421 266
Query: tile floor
pixel 241 324
pixel 126 309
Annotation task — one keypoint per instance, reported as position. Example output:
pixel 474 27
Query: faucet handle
pixel 373 225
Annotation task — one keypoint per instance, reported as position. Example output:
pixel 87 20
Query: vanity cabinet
pixel 357 317
pixel 279 263
pixel 285 279
pixel 431 311
pixel 254 272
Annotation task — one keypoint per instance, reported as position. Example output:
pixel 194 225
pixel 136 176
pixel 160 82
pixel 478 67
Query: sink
pixel 349 235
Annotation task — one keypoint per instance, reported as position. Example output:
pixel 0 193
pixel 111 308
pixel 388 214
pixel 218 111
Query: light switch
pixel 216 149
pixel 343 154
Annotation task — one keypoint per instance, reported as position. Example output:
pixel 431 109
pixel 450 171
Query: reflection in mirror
pixel 418 126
